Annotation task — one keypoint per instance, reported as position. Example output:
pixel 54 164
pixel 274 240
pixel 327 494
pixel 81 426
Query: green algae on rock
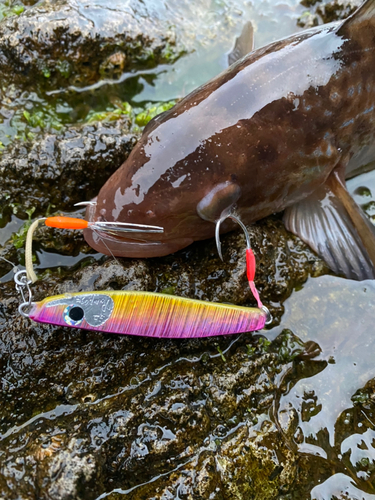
pixel 151 111
pixel 7 9
pixel 139 117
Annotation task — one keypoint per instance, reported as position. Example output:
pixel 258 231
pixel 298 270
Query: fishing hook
pixel 85 203
pixel 250 260
pixel 217 232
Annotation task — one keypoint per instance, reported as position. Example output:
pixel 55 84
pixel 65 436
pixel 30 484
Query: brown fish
pixel 275 131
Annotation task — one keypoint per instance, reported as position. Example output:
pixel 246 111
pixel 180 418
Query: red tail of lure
pixel 139 313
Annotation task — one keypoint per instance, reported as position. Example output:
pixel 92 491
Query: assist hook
pixel 250 260
pixel 217 232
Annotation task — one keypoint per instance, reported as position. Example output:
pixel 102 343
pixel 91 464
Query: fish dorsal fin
pixel 244 44
pixel 365 12
pixel 333 225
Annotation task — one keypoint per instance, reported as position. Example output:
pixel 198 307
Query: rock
pixel 60 43
pixel 326 11
pixel 62 169
pixel 337 9
pixel 324 408
pixel 86 413
pixel 308 3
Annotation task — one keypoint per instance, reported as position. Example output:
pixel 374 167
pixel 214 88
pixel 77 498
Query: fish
pixel 279 130
pixel 146 314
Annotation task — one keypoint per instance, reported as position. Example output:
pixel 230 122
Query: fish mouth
pixel 134 244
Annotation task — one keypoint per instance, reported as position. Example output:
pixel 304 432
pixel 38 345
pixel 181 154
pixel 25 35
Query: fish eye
pixel 73 315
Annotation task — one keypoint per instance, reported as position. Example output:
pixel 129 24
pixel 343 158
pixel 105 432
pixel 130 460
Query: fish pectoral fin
pixel 333 225
pixel 219 201
pixel 244 44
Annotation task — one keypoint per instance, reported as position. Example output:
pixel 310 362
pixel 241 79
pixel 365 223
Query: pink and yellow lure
pixel 140 313
pixel 146 314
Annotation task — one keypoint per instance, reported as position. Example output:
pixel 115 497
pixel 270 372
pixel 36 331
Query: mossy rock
pixel 59 43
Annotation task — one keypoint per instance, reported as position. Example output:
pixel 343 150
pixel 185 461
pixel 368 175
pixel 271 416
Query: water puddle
pixel 324 409
pixel 10 228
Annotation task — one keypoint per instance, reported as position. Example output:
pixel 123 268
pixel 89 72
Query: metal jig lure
pixel 139 313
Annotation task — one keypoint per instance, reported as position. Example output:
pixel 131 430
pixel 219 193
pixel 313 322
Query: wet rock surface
pixel 323 409
pixel 66 42
pixel 151 417
pixel 325 11
pixel 62 169
pixel 88 415
pixel 85 414
pixel 146 417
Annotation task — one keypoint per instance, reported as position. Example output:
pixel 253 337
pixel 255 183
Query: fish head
pixel 167 182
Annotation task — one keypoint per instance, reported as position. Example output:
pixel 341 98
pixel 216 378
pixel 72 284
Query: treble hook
pixel 250 260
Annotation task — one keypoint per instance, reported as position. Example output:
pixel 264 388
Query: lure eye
pixel 73 315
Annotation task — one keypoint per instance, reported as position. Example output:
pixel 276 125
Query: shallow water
pixel 208 49
pixel 207 31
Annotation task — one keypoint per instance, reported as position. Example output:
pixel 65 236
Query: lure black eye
pixel 73 315
pixel 76 313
